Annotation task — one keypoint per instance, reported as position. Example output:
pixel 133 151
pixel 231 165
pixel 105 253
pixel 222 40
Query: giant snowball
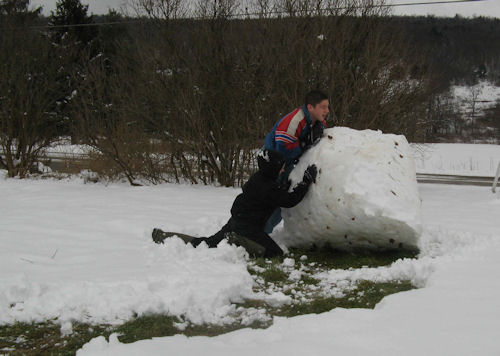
pixel 365 195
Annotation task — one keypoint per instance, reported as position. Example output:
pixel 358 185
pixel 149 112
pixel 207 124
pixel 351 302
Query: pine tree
pixel 68 14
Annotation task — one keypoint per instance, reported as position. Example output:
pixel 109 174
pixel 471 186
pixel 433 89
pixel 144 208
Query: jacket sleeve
pixel 286 199
pixel 289 151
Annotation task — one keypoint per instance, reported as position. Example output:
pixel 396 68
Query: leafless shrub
pixel 28 93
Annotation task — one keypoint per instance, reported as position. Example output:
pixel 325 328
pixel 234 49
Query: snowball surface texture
pixel 365 195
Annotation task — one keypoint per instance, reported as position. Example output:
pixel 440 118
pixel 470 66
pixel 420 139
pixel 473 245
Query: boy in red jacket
pixel 294 134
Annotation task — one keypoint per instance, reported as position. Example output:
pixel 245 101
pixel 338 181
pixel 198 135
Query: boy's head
pixel 317 104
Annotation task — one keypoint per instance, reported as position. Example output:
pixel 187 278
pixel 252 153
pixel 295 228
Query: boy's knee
pixel 253 248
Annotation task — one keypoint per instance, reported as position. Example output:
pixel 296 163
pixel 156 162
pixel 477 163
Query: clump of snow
pixel 67 328
pixel 98 344
pixel 43 168
pixel 365 193
pixel 274 299
pixel 264 154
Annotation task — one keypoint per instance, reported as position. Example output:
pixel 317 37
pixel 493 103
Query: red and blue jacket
pixel 289 132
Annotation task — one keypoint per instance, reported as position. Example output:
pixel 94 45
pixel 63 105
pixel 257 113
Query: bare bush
pixel 28 95
pixel 110 117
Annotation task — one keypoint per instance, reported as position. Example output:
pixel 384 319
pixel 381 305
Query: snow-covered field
pixel 76 251
pixel 457 158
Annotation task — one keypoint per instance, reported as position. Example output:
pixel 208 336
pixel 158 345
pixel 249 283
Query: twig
pixel 24 259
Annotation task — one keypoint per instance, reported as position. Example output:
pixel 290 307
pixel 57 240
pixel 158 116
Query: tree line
pixel 189 94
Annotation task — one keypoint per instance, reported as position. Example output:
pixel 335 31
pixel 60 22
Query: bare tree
pixel 210 88
pixel 160 9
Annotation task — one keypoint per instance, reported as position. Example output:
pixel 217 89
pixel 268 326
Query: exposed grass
pixel 274 275
pixel 366 295
pixel 149 326
pixel 335 259
pixel 308 280
pixel 46 338
pixel 307 294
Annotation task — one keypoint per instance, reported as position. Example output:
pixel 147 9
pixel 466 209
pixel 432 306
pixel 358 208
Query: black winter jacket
pixel 262 195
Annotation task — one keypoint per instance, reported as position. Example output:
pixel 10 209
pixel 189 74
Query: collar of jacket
pixel 307 114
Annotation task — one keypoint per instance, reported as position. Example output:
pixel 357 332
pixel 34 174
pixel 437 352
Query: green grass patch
pixel 274 275
pixel 46 338
pixel 308 280
pixel 267 262
pixel 366 295
pixel 150 326
pixel 334 259
pixel 147 327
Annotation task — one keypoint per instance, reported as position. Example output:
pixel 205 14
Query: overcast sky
pixel 489 8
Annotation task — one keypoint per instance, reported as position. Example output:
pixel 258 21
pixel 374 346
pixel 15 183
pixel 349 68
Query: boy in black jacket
pixel 252 208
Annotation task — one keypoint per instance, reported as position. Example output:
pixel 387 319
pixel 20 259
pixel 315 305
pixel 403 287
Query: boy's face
pixel 319 111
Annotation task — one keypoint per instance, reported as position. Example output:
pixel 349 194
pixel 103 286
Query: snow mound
pixel 199 285
pixel 365 195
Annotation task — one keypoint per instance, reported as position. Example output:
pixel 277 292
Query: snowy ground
pixel 457 312
pixel 77 251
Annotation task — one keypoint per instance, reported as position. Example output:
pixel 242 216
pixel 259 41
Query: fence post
pixel 495 181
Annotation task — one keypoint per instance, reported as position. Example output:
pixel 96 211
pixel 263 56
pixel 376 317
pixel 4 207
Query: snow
pixel 82 252
pixel 457 158
pixel 478 97
pixel 365 193
pixel 457 312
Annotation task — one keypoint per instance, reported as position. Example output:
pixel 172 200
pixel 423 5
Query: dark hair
pixel 314 97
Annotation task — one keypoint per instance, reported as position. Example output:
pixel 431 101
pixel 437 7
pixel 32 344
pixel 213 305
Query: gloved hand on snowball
pixel 310 174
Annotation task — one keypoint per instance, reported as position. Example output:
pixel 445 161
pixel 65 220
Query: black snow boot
pixel 159 236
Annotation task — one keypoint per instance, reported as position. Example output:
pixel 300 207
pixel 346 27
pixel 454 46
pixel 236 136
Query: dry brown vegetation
pixel 189 94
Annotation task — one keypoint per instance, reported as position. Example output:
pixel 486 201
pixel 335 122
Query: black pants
pixel 271 248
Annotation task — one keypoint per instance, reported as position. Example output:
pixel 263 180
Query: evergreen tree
pixel 68 14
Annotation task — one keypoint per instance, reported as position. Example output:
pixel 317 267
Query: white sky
pixel 490 8
pixel 97 7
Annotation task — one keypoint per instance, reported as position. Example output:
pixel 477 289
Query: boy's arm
pixel 286 199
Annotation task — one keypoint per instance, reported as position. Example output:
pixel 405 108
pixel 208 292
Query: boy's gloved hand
pixel 310 174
